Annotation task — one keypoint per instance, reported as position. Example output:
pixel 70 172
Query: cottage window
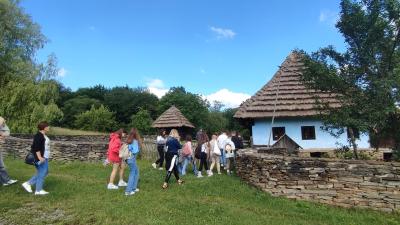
pixel 308 132
pixel 356 133
pixel 277 132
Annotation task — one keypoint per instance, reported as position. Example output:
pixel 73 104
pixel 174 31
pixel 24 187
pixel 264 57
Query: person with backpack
pixel 203 153
pixel 171 157
pixel 215 153
pixel 221 139
pixel 114 147
pixel 161 140
pixel 134 143
pixel 186 155
pixel 229 148
pixel 5 180
pixel 41 151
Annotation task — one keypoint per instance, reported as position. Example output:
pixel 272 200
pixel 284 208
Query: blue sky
pixel 223 49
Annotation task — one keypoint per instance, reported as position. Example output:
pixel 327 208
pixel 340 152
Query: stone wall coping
pixel 255 154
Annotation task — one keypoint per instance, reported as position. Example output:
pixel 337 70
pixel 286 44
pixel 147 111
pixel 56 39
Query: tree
pixel 76 106
pixel 142 121
pixel 192 106
pixel 20 38
pixel 366 77
pixel 126 101
pixel 96 119
pixel 97 92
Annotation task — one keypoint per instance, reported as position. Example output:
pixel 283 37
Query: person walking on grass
pixel 204 148
pixel 171 157
pixel 229 148
pixel 161 140
pixel 5 180
pixel 215 153
pixel 113 157
pixel 186 155
pixel 41 150
pixel 221 139
pixel 134 145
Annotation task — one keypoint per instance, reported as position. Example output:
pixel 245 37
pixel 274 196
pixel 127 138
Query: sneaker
pixel 160 168
pixel 27 187
pixel 199 175
pixel 10 182
pixel 112 187
pixel 129 193
pixel 154 165
pixel 137 190
pixel 122 183
pixel 42 192
pixel 219 173
pixel 210 173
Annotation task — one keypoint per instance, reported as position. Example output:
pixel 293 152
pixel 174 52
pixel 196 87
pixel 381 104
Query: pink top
pixel 113 148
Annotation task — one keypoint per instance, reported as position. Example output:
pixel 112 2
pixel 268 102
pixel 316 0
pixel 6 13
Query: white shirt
pixel 161 140
pixel 221 139
pixel 46 147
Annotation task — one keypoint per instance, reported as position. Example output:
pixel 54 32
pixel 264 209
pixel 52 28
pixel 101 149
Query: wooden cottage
pixel 174 119
pixel 293 107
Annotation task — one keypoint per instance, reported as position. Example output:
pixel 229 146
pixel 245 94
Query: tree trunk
pixel 353 143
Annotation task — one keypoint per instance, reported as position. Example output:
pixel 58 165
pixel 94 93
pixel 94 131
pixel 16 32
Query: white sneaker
pixel 122 183
pixel 137 190
pixel 209 173
pixel 154 165
pixel 27 187
pixel 160 168
pixel 112 187
pixel 42 192
pixel 10 182
pixel 199 175
pixel 129 193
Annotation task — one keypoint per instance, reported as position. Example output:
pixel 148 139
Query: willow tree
pixel 367 75
pixel 28 90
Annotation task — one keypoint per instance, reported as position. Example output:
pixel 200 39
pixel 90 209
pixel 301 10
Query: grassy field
pixel 66 131
pixel 78 196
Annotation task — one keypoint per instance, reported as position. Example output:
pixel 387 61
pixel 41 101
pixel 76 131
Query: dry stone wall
pixel 346 183
pixel 70 148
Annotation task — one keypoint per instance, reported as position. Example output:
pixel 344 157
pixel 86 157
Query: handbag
pixel 124 152
pixel 30 159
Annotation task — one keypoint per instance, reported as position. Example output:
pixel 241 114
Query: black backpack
pixel 197 152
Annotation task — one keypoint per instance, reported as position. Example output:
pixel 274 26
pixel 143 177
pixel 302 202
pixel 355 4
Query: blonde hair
pixel 174 133
pixel 2 121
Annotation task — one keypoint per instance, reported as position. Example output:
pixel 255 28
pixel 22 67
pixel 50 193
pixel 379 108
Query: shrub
pixel 96 119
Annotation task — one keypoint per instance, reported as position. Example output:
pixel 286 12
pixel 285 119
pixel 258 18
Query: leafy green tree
pixel 142 121
pixel 20 38
pixel 367 74
pixel 192 106
pixel 96 119
pixel 76 106
pixel 126 101
pixel 96 92
pixel 216 122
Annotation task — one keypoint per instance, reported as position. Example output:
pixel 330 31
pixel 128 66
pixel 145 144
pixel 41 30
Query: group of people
pixel 218 152
pixel 123 150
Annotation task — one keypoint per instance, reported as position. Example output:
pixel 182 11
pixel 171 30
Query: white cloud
pixel 223 33
pixel 62 72
pixel 228 98
pixel 157 87
pixel 327 16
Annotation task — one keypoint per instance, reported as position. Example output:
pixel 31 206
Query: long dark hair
pixel 119 132
pixel 204 139
pixel 134 135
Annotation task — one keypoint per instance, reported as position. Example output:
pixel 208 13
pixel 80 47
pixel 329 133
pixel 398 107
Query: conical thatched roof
pixel 294 99
pixel 172 118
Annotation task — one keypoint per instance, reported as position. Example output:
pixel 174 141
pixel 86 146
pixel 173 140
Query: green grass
pixel 66 131
pixel 78 195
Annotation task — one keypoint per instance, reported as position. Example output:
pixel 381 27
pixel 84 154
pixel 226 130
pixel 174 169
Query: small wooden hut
pixel 174 119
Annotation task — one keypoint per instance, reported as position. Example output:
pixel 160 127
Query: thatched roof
pixel 294 99
pixel 172 118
